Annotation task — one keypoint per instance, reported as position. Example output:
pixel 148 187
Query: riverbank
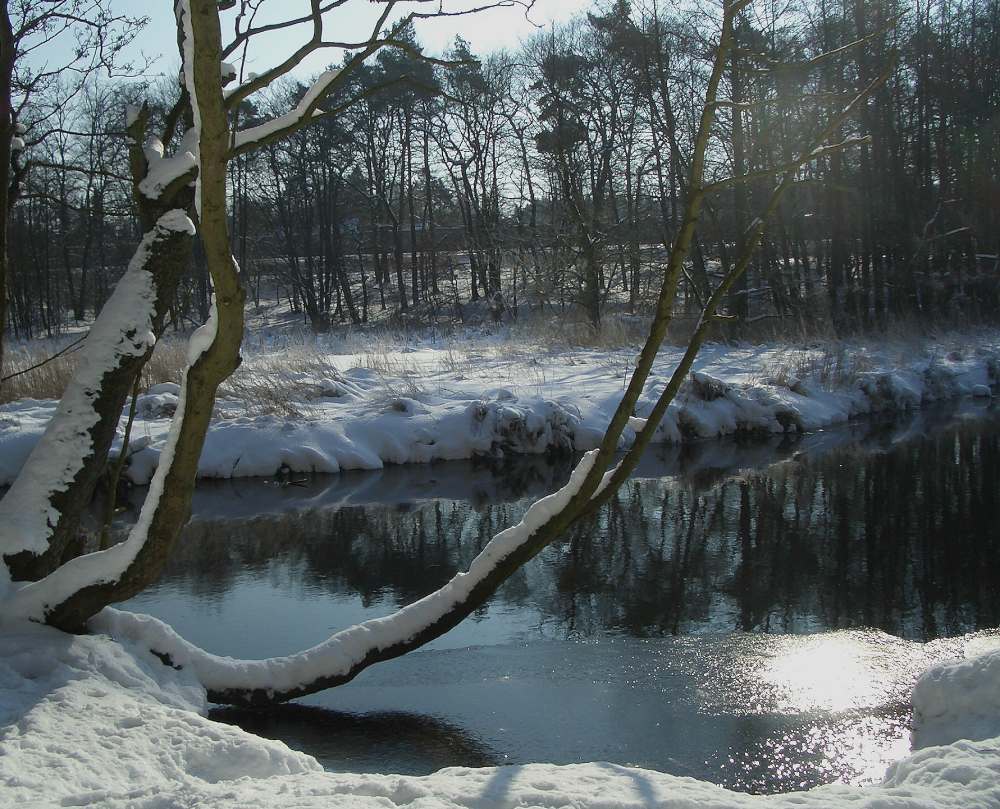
pixel 326 407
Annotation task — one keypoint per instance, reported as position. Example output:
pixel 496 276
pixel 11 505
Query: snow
pixel 132 112
pixel 202 338
pixel 17 144
pixel 365 418
pixel 91 721
pixel 164 170
pixel 182 9
pixel 958 699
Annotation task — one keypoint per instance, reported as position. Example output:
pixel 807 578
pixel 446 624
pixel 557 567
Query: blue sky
pixel 486 31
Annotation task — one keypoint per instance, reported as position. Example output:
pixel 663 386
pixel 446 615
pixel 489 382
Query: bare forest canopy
pixel 553 178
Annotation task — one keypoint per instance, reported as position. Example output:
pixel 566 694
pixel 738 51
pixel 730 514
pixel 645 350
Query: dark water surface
pixel 750 612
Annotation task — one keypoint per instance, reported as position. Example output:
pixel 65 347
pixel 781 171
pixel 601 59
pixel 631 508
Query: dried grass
pixel 49 379
pixel 834 365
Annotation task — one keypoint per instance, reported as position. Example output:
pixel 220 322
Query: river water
pixel 751 612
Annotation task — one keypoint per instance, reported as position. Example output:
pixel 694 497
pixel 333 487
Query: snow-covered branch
pixel 342 656
pixel 276 127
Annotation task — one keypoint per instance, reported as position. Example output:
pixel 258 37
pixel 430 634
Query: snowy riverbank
pixel 323 408
pixel 91 722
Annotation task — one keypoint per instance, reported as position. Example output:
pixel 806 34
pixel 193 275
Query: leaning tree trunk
pixel 344 655
pixel 40 514
pixel 214 352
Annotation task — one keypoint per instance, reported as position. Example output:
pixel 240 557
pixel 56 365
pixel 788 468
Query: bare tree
pixel 40 513
pixel 78 589
pixel 47 51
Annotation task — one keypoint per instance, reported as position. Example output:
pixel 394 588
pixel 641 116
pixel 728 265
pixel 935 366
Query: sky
pixel 486 31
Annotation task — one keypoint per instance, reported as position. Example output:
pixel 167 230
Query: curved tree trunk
pixel 345 654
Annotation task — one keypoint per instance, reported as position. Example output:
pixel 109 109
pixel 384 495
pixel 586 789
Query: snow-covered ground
pixel 318 407
pixel 88 721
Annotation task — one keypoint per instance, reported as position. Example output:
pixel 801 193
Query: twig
pixel 116 472
pixel 37 365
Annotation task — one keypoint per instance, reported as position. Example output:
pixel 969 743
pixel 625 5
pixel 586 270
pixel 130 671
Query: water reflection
pixel 829 672
pixel 352 742
pixel 853 749
pixel 686 627
pixel 897 535
pixel 886 533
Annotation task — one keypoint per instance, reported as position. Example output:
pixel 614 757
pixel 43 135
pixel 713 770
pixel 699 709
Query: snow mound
pixel 958 700
pixel 92 722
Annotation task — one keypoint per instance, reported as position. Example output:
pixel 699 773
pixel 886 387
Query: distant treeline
pixel 555 175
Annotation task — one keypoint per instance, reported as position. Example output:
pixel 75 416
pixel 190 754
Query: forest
pixel 460 187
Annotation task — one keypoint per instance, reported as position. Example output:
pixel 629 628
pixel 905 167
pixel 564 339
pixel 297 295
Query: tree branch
pixel 793 165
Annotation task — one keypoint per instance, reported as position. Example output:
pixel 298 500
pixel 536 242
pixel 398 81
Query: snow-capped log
pixel 40 513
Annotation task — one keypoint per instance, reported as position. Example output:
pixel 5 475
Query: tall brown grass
pixel 32 377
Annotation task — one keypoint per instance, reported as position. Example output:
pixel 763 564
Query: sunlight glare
pixel 832 672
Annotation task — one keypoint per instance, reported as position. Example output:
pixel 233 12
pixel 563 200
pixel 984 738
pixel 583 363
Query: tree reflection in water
pixel 892 529
pixel 406 743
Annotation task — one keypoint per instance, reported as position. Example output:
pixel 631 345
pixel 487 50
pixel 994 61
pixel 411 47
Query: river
pixel 748 611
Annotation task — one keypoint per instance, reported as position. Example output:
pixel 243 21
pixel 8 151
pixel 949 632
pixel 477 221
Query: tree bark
pixel 6 135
